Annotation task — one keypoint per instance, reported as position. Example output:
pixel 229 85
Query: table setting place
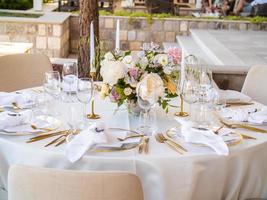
pixel 147 88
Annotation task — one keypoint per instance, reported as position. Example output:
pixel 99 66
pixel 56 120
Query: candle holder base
pixel 93 116
pixel 181 114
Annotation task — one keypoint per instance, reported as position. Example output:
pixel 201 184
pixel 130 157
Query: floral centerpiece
pixel 123 72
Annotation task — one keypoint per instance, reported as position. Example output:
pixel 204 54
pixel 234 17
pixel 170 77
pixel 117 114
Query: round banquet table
pixel 164 174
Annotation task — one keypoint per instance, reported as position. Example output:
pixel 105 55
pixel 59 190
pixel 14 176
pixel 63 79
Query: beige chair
pixel 21 71
pixel 32 183
pixel 255 84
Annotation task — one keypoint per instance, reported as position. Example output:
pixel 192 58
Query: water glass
pixel 146 99
pixel 52 91
pixel 69 81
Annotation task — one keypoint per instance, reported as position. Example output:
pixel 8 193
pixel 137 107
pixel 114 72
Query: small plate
pixel 53 124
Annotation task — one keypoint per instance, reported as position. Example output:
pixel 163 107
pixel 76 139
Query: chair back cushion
pixel 31 183
pixel 21 71
pixel 255 84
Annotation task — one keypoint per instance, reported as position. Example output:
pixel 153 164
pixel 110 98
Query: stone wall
pixel 47 34
pixel 136 31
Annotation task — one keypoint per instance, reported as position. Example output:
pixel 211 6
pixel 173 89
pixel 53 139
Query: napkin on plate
pixel 232 96
pixel 77 147
pixel 250 115
pixel 13 122
pixel 206 137
pixel 23 100
pixel 12 119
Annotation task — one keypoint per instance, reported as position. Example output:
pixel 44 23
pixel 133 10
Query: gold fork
pixel 15 106
pixel 171 140
pixel 170 144
pixel 237 125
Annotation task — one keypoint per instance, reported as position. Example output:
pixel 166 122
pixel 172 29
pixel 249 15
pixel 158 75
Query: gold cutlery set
pixel 171 143
pixel 62 135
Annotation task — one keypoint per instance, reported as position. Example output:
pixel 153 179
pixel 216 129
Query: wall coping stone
pixel 46 18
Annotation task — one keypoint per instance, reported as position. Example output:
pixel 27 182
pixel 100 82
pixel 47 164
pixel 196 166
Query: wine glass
pixel 190 93
pixel 52 89
pixel 69 82
pixel 205 83
pixel 146 99
pixel 85 92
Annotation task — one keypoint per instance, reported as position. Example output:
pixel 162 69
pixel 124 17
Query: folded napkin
pixel 232 96
pixel 23 100
pixel 82 142
pixel 201 136
pixel 11 119
pixel 13 122
pixel 250 115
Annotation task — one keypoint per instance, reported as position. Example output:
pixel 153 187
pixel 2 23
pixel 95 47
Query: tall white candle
pixel 117 46
pixel 92 48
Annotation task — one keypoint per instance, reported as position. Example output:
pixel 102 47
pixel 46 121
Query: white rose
pixel 151 87
pixel 104 91
pixel 109 56
pixel 127 91
pixel 127 59
pixel 162 59
pixel 112 71
pixel 143 62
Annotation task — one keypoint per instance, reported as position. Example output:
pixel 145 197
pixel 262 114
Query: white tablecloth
pixel 165 175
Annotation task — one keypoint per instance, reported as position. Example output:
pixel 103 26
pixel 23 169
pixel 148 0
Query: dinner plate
pixel 113 144
pixel 53 124
pixel 230 139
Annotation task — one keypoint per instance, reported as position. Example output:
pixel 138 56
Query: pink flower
pixel 114 96
pixel 133 72
pixel 175 53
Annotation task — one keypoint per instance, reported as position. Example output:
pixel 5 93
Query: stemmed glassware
pixel 52 87
pixel 179 91
pixel 69 81
pixel 146 102
pixel 85 92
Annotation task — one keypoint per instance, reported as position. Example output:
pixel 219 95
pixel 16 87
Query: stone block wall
pixel 134 32
pixel 51 39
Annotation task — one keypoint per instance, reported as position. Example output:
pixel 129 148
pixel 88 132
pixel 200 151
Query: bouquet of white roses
pixel 123 72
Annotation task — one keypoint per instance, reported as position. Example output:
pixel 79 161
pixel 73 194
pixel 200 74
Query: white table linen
pixel 165 175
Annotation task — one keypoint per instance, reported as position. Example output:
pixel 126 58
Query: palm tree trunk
pixel 88 13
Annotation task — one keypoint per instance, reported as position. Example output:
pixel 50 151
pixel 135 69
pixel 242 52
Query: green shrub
pixel 16 4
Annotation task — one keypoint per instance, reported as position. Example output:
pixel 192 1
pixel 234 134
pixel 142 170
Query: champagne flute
pixel 179 91
pixel 85 92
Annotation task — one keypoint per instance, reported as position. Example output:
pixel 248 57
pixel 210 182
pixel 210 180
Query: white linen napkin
pixel 77 147
pixel 23 100
pixel 11 119
pixel 206 137
pixel 232 96
pixel 13 122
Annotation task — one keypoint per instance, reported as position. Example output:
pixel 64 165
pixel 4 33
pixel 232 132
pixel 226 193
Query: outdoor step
pixel 190 47
pixel 217 52
pixel 167 45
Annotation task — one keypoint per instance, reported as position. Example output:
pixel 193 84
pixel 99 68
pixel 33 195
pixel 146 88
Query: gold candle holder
pixel 181 113
pixel 93 115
